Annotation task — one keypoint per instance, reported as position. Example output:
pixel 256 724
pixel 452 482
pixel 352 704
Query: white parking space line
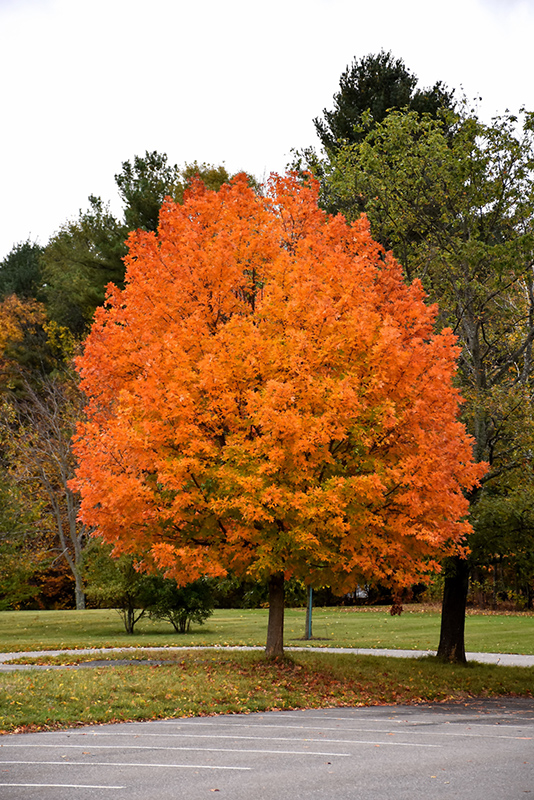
pixel 126 764
pixel 424 717
pixel 62 786
pixel 239 736
pixel 420 728
pixel 169 749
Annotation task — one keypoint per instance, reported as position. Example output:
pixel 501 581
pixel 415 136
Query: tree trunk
pixel 275 628
pixel 129 619
pixel 80 597
pixel 79 592
pixel 452 640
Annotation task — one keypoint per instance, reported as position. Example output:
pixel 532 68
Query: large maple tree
pixel 267 396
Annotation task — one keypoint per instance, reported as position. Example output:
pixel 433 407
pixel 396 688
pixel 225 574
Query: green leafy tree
pixel 143 185
pixel 21 271
pixel 376 84
pixel 79 262
pixel 22 552
pixel 502 544
pixel 213 177
pixel 457 211
pixel 180 605
pixel 147 180
pixel 115 583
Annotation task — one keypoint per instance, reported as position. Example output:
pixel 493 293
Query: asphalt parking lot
pixel 480 750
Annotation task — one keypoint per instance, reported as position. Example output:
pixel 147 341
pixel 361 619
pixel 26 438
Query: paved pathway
pixel 505 659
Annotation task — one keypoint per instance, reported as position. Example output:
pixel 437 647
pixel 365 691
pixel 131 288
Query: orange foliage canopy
pixel 267 395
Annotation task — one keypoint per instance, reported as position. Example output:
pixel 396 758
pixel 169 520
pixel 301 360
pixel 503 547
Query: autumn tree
pixel 267 396
pixel 22 338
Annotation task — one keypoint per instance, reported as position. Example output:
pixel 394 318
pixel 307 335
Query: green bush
pixel 116 583
pixel 180 605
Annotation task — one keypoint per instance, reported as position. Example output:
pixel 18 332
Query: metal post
pixel 308 632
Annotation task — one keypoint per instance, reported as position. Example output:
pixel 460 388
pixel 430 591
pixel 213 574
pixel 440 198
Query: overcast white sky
pixel 88 84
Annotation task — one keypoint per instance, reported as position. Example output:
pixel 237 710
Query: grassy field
pixel 197 683
pixel 415 629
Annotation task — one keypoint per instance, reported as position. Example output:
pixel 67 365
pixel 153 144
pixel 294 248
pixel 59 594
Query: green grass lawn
pixel 197 684
pixel 415 629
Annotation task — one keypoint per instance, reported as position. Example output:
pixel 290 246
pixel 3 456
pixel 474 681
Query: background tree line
pixel 451 196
